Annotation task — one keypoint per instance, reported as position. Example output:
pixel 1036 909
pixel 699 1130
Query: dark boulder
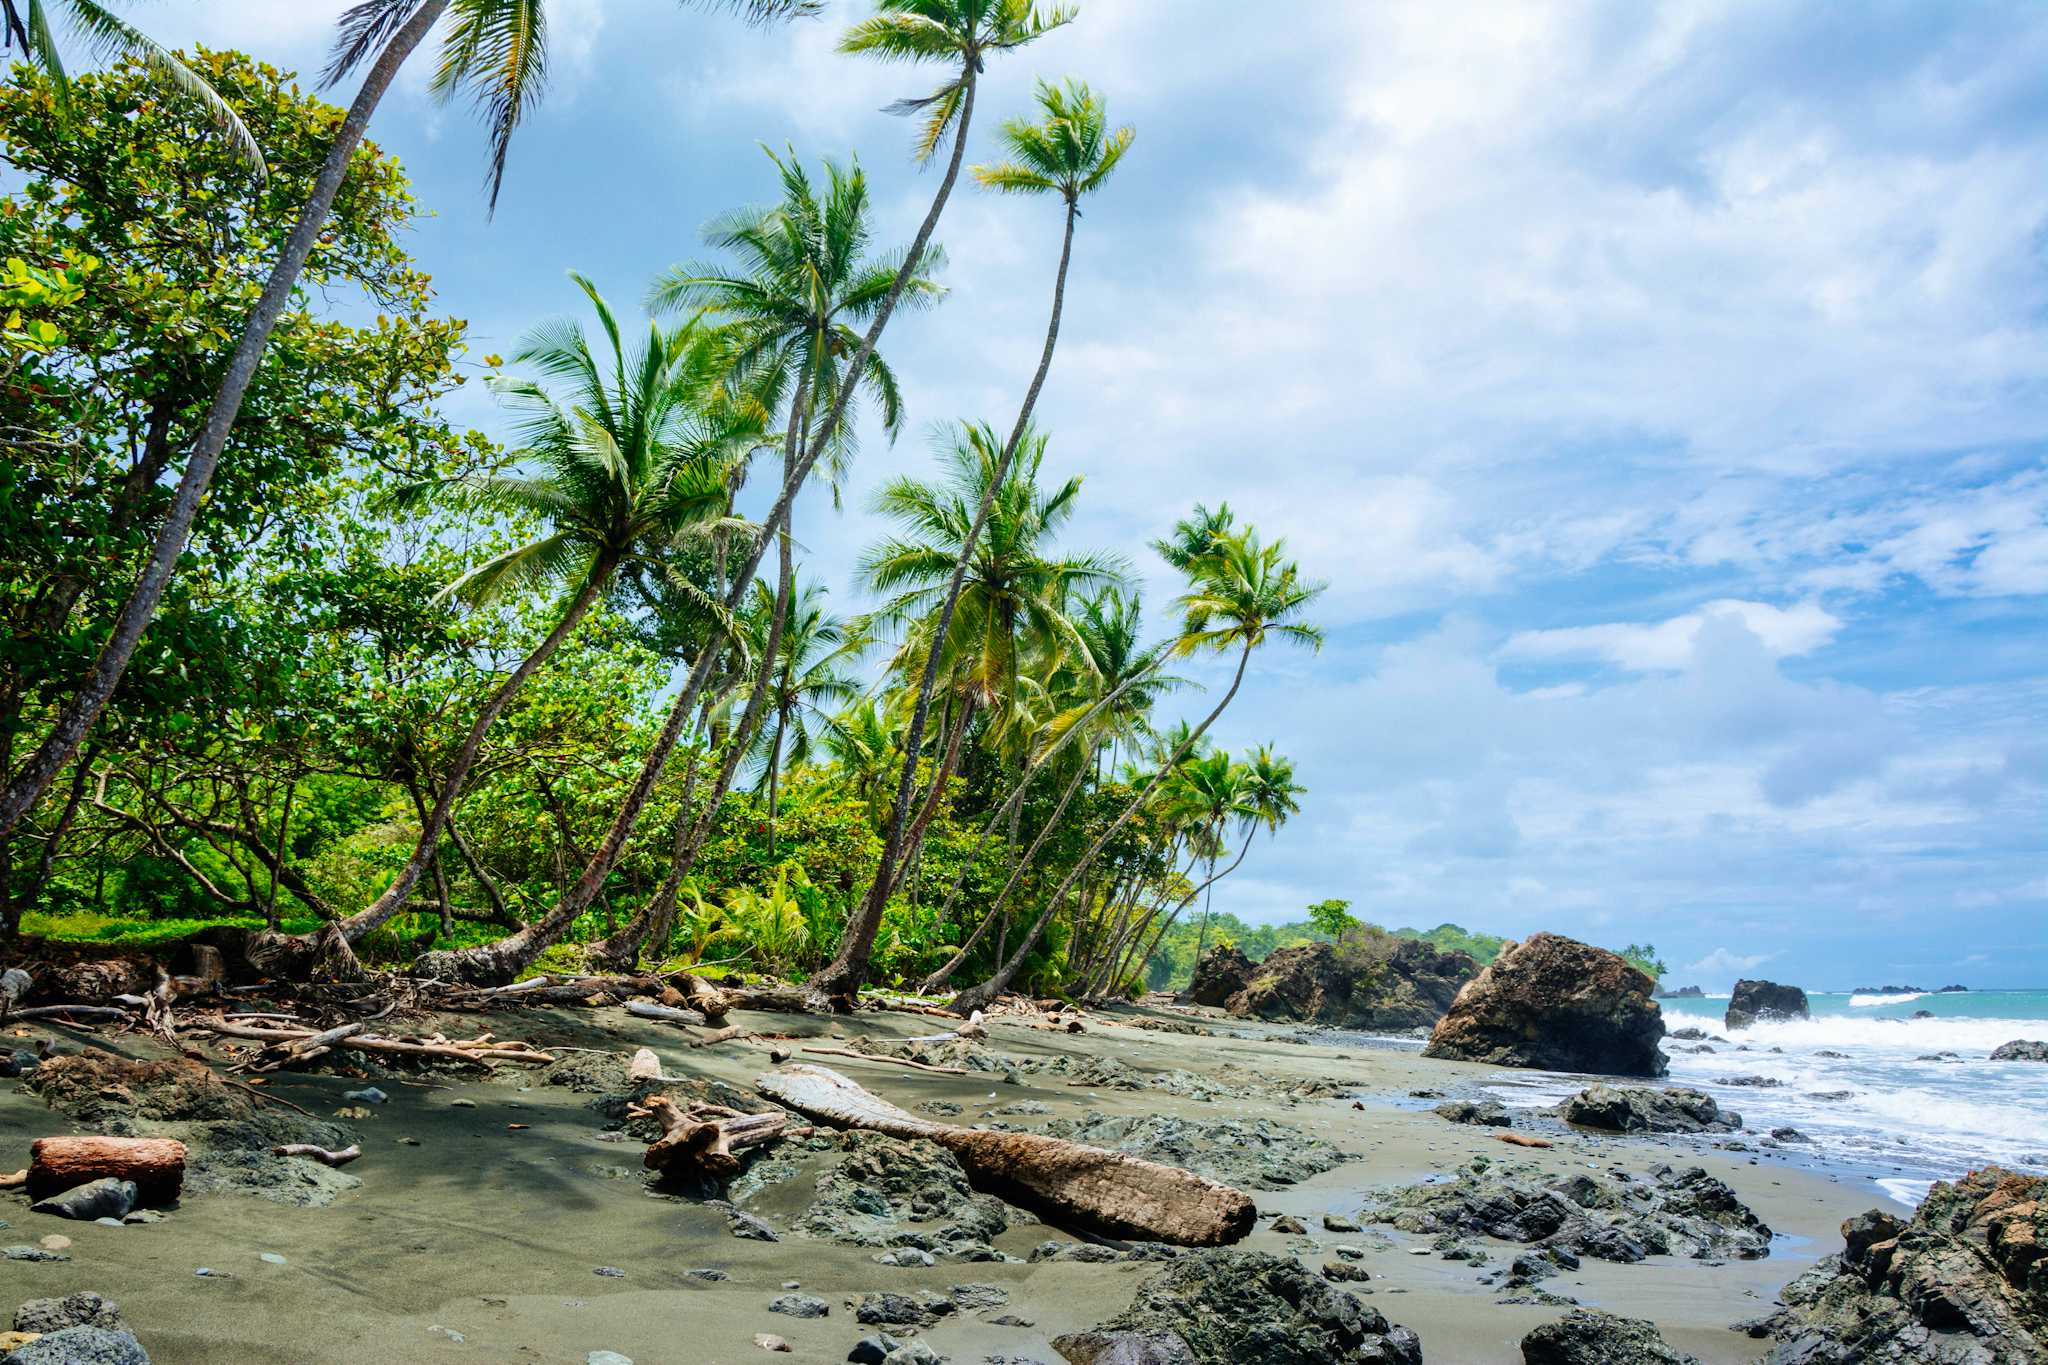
pixel 2021 1050
pixel 1229 1306
pixel 1964 1282
pixel 1757 1002
pixel 1587 1337
pixel 1484 1113
pixel 1635 1109
pixel 1556 1004
pixel 1409 985
pixel 1221 973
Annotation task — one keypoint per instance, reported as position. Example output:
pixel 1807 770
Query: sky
pixel 1662 391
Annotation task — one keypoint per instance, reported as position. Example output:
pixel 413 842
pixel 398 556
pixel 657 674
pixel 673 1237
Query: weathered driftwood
pixel 1111 1192
pixel 886 1059
pixel 667 1014
pixel 724 1035
pixel 477 1052
pixel 1517 1140
pixel 71 1012
pixel 972 1031
pixel 318 1153
pixel 156 1165
pixel 706 1139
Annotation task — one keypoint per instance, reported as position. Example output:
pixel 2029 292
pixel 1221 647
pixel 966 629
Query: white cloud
pixel 1671 644
pixel 1724 965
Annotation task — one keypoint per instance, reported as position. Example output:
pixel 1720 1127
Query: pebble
pixel 706 1274
pixel 207 1272
pixel 448 1332
pixel 271 1258
pixel 800 1306
pixel 367 1095
pixel 462 1104
pixel 792 1284
pixel 56 1241
pixel 768 1341
pixel 610 1272
pixel 606 1358
pixel 142 1216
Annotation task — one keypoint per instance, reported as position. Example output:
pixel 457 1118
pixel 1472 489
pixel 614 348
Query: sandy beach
pixel 519 1229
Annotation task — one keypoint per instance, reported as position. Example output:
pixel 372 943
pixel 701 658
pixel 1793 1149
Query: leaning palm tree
pixel 106 35
pixel 1242 592
pixel 962 34
pixel 1071 153
pixel 807 676
pixel 630 458
pixel 495 51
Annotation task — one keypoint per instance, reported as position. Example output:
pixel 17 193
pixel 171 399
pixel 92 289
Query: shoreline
pixel 496 1235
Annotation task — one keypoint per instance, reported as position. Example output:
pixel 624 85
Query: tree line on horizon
pixel 286 648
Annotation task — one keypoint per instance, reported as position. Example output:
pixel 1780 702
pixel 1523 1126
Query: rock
pixel 1124 1348
pixel 1385 984
pixel 606 1358
pixel 887 1192
pixel 1221 973
pixel 82 1346
pixel 768 1341
pixel 747 1227
pixel 1555 1004
pixel 1922 1014
pixel 1231 1306
pixel 799 1306
pixel 1964 1282
pixel 1753 1082
pixel 1790 1135
pixel 1337 1222
pixel 707 1275
pixel 1586 1337
pixel 903 1310
pixel 2021 1050
pixel 102 1198
pixel 1689 1035
pixel 1617 1218
pixel 83 1309
pixel 28 1253
pixel 902 1256
pixel 1344 1271
pixel 1287 1225
pixel 1632 1109
pixel 1485 1113
pixel 1683 993
pixel 1756 1002
pixel 1258 1154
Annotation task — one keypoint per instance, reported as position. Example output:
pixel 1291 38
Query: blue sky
pixel 1662 390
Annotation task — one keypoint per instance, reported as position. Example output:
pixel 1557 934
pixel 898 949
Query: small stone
pixel 1289 1225
pixel 906 1256
pixel 748 1227
pixel 367 1095
pixel 207 1272
pixel 448 1332
pixel 707 1274
pixel 271 1258
pixel 872 1350
pixel 462 1104
pixel 792 1284
pixel 1344 1271
pixel 56 1241
pixel 800 1306
pixel 610 1272
pixel 27 1253
pixel 606 1358
pixel 1337 1222
pixel 768 1341
pixel 144 1216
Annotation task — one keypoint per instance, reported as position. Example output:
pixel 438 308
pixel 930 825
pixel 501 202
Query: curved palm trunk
pixel 978 997
pixel 40 769
pixel 842 977
pixel 1129 961
pixel 937 796
pixel 945 973
pixel 1202 934
pixel 656 919
pixel 775 774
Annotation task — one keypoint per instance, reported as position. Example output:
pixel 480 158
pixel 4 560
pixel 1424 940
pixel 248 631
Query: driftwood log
pixel 886 1058
pixel 706 1139
pixel 667 1014
pixel 319 1153
pixel 1110 1192
pixel 482 1051
pixel 156 1165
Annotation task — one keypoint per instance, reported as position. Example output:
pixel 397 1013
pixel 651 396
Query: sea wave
pixel 1894 1038
pixel 1866 1001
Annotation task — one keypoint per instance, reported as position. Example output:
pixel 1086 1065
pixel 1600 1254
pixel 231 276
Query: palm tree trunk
pixel 939 978
pixel 937 796
pixel 775 773
pixel 848 969
pixel 1202 934
pixel 27 785
pixel 977 997
pixel 657 918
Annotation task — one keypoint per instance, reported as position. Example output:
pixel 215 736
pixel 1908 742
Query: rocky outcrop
pixel 1759 1002
pixel 1683 993
pixel 1221 973
pixel 1588 1337
pixel 1410 987
pixel 1964 1283
pixel 2021 1050
pixel 1231 1307
pixel 1614 1217
pixel 1634 1109
pixel 1556 1004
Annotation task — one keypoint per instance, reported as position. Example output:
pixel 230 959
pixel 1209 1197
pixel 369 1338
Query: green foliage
pixel 1331 917
pixel 1452 938
pixel 1643 956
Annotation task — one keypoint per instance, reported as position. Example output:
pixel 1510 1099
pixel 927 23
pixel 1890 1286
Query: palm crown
pixel 1240 591
pixel 1070 152
pixel 625 464
pixel 962 32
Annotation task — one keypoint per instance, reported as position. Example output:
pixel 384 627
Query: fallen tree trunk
pixel 156 1165
pixel 886 1058
pixel 667 1014
pixel 477 1052
pixel 706 1139
pixel 1110 1192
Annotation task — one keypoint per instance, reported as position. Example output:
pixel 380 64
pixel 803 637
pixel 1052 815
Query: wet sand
pixel 483 1242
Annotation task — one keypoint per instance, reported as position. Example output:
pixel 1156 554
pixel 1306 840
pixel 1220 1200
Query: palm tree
pixel 629 460
pixel 1072 153
pixel 107 35
pixel 952 31
pixel 1241 592
pixel 495 50
pixel 863 745
pixel 1212 791
pixel 807 676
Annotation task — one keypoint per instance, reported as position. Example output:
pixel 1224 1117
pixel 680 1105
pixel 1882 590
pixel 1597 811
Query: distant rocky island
pixel 1910 990
pixel 1683 993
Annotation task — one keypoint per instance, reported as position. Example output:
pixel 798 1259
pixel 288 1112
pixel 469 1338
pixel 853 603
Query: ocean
pixel 1890 1107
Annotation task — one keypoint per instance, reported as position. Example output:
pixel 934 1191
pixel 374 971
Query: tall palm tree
pixel 1214 791
pixel 863 745
pixel 962 32
pixel 1071 153
pixel 629 459
pixel 1241 593
pixel 494 50
pixel 107 35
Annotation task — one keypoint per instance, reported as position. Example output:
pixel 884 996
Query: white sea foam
pixel 1899 1038
pixel 1867 1001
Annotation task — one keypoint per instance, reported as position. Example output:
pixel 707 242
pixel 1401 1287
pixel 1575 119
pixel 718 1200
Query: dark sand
pixel 493 1235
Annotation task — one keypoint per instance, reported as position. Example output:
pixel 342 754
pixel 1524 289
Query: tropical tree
pixel 1241 593
pixel 495 51
pixel 807 676
pixel 630 459
pixel 1070 154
